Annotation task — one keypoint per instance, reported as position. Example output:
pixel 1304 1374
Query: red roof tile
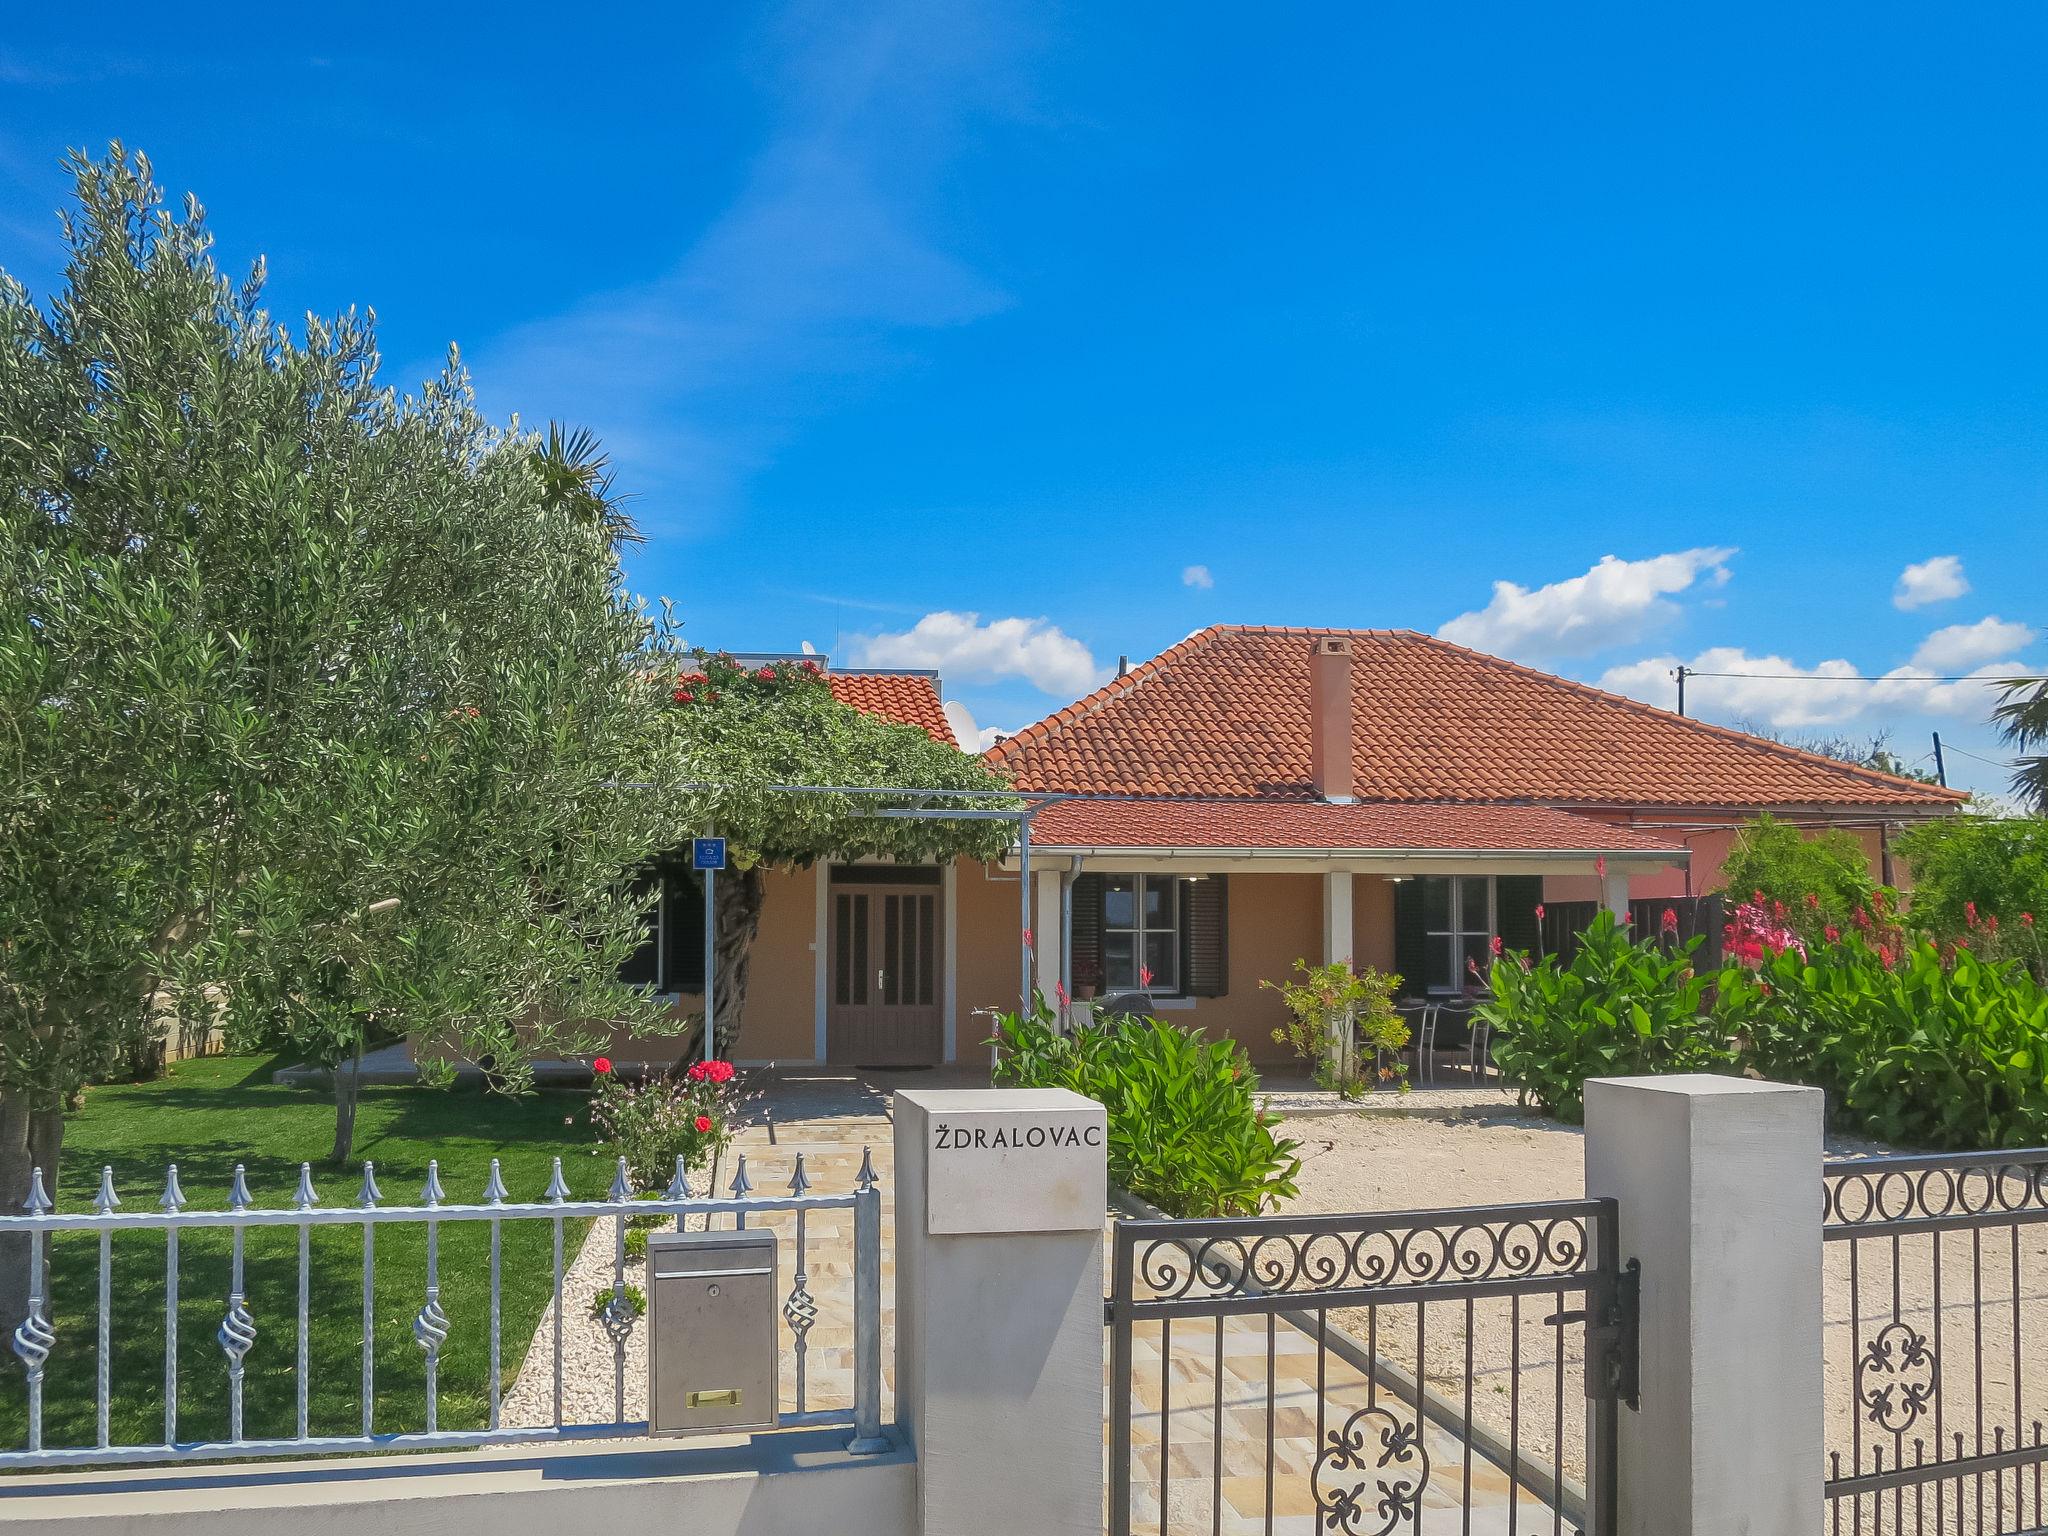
pixel 908 698
pixel 1185 824
pixel 1225 714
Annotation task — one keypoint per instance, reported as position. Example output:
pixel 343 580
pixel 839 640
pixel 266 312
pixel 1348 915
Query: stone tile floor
pixel 831 1117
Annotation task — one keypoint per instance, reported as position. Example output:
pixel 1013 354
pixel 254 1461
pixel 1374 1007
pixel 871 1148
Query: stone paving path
pixel 1459 1493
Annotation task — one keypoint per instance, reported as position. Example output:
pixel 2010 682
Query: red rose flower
pixel 602 1065
pixel 1669 922
pixel 1495 945
pixel 703 1125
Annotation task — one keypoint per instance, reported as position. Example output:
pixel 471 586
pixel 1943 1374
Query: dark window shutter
pixel 1411 956
pixel 685 957
pixel 639 967
pixel 1515 899
pixel 1085 959
pixel 1205 936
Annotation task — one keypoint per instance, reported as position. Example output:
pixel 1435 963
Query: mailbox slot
pixel 711 1341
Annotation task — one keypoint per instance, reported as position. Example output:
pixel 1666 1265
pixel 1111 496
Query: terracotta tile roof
pixel 908 698
pixel 1361 828
pixel 1225 714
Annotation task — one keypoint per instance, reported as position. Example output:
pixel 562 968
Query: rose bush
pixel 653 1122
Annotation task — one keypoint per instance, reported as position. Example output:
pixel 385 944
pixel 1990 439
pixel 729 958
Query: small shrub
pixel 1338 1021
pixel 1619 1008
pixel 1185 1131
pixel 652 1123
pixel 635 1298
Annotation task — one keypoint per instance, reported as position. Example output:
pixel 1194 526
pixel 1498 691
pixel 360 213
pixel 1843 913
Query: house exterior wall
pixel 1372 922
pixel 1709 849
pixel 987 936
pixel 780 1011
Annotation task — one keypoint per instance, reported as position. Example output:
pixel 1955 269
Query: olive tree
pixel 314 699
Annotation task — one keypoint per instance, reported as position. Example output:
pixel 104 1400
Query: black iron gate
pixel 1936 1300
pixel 1417 1371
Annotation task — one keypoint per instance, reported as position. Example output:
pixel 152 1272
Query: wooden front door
pixel 885 986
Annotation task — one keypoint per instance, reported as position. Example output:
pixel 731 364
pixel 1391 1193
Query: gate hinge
pixel 1613 1359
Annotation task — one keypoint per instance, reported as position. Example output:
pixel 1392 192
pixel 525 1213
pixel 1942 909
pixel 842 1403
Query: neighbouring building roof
pixel 1224 715
pixel 908 698
pixel 1190 825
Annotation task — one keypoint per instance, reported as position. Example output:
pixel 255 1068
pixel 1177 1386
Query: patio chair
pixel 1419 1014
pixel 1449 1029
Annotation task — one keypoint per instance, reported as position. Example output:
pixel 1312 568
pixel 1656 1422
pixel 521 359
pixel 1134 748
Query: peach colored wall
pixel 1273 921
pixel 781 1003
pixel 1708 850
pixel 1372 922
pixel 989 933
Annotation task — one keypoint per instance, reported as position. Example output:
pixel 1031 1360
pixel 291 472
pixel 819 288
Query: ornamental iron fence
pixel 1935 1377
pixel 1438 1371
pixel 243 1314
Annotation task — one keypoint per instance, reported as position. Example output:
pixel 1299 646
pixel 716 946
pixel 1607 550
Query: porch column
pixel 1047 933
pixel 1337 938
pixel 1614 892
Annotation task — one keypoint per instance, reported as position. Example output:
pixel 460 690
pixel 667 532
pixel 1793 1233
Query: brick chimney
pixel 1329 717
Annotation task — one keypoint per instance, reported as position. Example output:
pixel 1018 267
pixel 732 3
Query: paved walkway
pixel 1281 1388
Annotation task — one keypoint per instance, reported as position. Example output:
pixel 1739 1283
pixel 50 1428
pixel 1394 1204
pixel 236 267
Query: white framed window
pixel 1458 924
pixel 1141 928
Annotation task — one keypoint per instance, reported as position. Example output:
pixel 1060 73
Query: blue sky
pixel 1015 337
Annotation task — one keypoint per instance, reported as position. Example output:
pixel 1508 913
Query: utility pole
pixel 1940 768
pixel 1680 675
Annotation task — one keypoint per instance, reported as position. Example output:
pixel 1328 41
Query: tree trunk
pixel 740 896
pixel 29 1138
pixel 348 1089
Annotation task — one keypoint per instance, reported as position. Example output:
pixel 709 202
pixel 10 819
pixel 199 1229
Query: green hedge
pixel 1185 1130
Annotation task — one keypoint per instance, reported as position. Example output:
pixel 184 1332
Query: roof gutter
pixel 1673 855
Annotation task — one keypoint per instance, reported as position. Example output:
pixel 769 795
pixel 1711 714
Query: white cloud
pixel 1198 577
pixel 1957 647
pixel 1931 581
pixel 964 648
pixel 1615 602
pixel 1779 692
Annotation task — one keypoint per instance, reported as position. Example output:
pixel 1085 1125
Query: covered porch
pixel 1196 903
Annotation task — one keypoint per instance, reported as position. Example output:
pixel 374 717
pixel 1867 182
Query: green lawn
pixel 210 1114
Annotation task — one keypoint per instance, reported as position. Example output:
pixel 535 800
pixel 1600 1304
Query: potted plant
pixel 1087 981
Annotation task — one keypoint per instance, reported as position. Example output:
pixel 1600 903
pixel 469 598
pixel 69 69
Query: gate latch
pixel 1613 1358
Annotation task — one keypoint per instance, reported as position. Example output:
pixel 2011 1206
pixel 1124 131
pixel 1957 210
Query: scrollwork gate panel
pixel 1366 1375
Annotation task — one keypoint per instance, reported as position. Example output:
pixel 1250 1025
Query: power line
pixel 1823 677
pixel 1949 746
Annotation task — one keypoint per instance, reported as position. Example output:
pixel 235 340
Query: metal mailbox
pixel 712 1355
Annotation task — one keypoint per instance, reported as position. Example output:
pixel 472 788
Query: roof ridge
pixel 1637 706
pixel 1115 688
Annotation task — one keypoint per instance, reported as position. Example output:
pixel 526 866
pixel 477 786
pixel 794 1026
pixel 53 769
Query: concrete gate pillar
pixel 1000 1199
pixel 1718 1183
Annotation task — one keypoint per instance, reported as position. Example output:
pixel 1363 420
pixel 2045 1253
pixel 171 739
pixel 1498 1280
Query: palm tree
pixel 2023 722
pixel 577 476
